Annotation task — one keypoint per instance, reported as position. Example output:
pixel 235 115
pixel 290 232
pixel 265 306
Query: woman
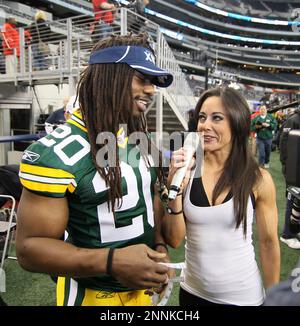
pixel 216 211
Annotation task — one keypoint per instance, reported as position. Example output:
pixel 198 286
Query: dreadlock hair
pixel 241 177
pixel 106 101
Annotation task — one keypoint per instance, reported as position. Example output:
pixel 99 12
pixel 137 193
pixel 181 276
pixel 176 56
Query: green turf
pixel 27 289
pixel 33 289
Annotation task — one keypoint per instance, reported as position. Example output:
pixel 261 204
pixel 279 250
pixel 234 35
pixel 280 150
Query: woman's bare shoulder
pixel 264 185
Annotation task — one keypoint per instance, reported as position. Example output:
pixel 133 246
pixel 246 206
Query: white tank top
pixel 220 262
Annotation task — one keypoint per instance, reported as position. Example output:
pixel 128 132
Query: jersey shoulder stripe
pixel 50 180
pixel 45 171
pixel 55 190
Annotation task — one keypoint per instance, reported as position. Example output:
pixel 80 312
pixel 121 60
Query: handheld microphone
pixel 191 143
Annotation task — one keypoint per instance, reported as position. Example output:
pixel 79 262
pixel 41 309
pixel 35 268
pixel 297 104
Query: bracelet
pixel 169 210
pixel 161 244
pixel 109 261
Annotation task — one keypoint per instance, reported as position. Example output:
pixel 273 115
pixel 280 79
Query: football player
pixel 108 207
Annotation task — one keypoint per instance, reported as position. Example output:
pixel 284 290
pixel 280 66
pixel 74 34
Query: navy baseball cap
pixel 138 58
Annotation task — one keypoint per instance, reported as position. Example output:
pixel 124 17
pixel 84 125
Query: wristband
pixel 109 261
pixel 161 244
pixel 169 210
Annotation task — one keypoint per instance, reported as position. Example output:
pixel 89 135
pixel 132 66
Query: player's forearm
pixel 158 217
pixel 45 255
pixel 158 237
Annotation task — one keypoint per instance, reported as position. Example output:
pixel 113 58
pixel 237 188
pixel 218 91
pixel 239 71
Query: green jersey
pixel 60 165
pixel 264 132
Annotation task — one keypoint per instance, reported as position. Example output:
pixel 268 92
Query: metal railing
pixel 179 91
pixel 67 46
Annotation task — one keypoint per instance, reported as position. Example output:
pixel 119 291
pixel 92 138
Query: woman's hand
pixel 178 160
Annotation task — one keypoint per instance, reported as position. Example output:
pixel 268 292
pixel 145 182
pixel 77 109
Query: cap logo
pixel 149 57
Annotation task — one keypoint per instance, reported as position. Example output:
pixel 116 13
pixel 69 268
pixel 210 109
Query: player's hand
pixel 136 267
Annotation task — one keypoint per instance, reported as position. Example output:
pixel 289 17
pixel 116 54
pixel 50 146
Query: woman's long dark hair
pixel 241 171
pixel 106 101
